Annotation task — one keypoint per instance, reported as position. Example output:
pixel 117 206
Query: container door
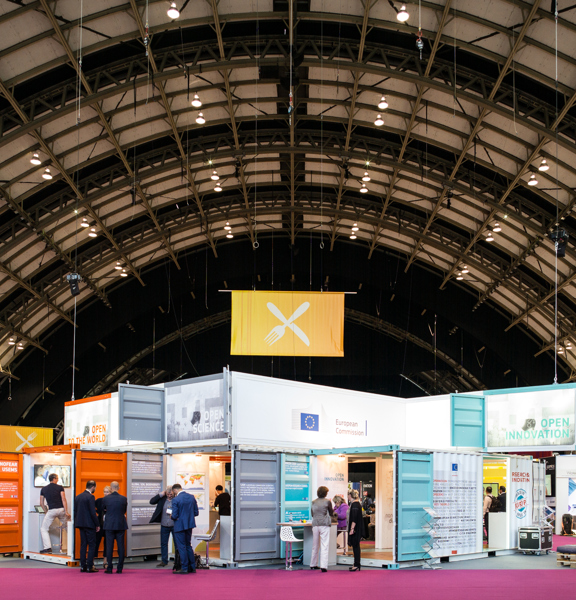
pixel 142 413
pixel 256 505
pixel 414 484
pixel 467 414
pixel 11 502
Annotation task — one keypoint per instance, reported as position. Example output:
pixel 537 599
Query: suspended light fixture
pixel 218 188
pixel 173 12
pixel 366 176
pixel 490 237
pixel 353 237
pixel 383 105
pixel 118 266
pixel 560 350
pixel 12 341
pixel 533 180
pixel 355 227
pixel 496 228
pixel 214 176
pixel 200 119
pixel 196 103
pixel 123 274
pixel 92 232
pixel 379 121
pixel 229 235
pixel 47 175
pixel 363 189
pixel 35 160
pixel 84 222
pixel 464 270
pixel 402 14
pixel 460 276
pixel 544 166
pixel 20 346
pixel 227 226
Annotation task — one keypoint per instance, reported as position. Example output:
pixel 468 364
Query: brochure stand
pixel 431 561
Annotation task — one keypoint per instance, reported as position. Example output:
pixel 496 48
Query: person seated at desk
pixel 222 502
pixel 368 518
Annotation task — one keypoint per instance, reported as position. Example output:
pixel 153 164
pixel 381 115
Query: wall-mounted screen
pixel 42 472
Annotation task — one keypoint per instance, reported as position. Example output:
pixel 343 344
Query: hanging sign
pixel 287 323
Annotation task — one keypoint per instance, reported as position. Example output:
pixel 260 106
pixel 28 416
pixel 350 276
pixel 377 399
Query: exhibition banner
pixel 332 472
pixel 531 419
pixel 87 421
pixel 16 438
pixel 519 491
pixel 458 502
pixel 287 323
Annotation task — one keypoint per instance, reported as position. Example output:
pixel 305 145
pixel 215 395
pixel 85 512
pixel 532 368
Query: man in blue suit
pixel 114 506
pixel 86 520
pixel 184 509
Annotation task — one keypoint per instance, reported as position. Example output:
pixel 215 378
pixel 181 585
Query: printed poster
pixel 572 496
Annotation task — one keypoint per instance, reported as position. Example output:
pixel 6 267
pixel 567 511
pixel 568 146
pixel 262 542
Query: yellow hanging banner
pixel 16 438
pixel 287 323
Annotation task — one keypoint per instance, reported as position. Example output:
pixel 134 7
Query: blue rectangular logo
pixel 454 466
pixel 309 422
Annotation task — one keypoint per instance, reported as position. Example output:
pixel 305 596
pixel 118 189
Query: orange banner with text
pixel 287 323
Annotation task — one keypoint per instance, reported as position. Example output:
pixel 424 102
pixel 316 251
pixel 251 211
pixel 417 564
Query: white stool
pixel 208 537
pixel 287 535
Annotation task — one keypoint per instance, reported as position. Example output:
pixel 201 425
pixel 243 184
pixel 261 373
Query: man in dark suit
pixel 86 520
pixel 114 506
pixel 502 499
pixel 184 509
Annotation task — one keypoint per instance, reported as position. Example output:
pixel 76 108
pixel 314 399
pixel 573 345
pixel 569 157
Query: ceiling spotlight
pixel 12 341
pixel 496 228
pixel 200 119
pixel 355 227
pixel 533 180
pixel 47 175
pixel 366 176
pixel 402 15
pixel 227 226
pixel 465 270
pixel 544 166
pixel 35 160
pixel 173 12
pixel 84 222
pixel 118 266
pixel 92 232
pixel 383 105
pixel 352 237
pixel 196 103
pixel 123 274
pixel 379 121
pixel 229 235
pixel 214 176
pixel 218 188
pixel 363 189
pixel 460 276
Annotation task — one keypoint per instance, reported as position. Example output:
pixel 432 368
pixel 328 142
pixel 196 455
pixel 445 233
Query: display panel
pixel 43 472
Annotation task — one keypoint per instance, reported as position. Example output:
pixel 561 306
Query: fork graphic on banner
pixel 277 332
pixel 25 440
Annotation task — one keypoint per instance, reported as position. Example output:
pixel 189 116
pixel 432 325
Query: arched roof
pixel 102 92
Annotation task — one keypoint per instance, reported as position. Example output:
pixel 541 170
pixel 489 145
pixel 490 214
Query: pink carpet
pixel 144 584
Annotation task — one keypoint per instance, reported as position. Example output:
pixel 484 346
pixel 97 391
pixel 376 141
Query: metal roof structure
pixel 102 93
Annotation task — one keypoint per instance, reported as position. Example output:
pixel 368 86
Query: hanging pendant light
pixel 35 160
pixel 402 14
pixel 490 237
pixel 227 226
pixel 496 228
pixel 366 177
pixel 383 105
pixel 460 276
pixel 533 180
pixel 544 166
pixel 229 235
pixel 379 121
pixel 20 346
pixel 200 119
pixel 92 233
pixel 84 222
pixel 355 227
pixel 12 341
pixel 464 269
pixel 123 274
pixel 196 103
pixel 363 189
pixel 214 176
pixel 118 266
pixel 173 12
pixel 47 175
pixel 218 188
pixel 353 237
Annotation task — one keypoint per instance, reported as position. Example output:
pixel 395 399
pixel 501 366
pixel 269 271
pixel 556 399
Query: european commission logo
pixel 309 422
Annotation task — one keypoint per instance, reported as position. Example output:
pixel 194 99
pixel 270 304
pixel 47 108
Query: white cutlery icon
pixel 277 332
pixel 26 440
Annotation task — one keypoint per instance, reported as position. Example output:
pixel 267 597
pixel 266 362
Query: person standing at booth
pixel 487 505
pixel 86 520
pixel 355 527
pixel 115 525
pixel 502 498
pixel 184 509
pixel 101 535
pixel 53 501
pixel 163 515
pixel 222 502
pixel 322 512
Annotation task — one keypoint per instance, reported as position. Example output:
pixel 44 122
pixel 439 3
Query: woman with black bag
pixel 355 527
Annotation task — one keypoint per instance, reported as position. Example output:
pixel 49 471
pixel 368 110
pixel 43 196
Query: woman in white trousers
pixel 322 512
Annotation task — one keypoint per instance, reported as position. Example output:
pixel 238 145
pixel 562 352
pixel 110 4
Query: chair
pixel 287 536
pixel 344 533
pixel 208 537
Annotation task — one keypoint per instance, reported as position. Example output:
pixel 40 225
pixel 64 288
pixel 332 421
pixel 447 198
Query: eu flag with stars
pixel 309 422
